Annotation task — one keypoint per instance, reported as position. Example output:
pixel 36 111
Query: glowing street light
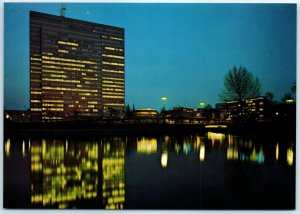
pixel 202 104
pixel 164 99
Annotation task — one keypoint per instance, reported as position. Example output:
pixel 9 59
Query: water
pixel 201 171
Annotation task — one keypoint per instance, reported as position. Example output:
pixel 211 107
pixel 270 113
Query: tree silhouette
pixel 293 89
pixel 240 84
pixel 287 96
pixel 269 95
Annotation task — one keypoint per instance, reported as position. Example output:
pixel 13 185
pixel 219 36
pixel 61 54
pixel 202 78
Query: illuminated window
pixel 107 96
pixel 67 43
pixel 113 71
pixel 112 63
pixel 36 92
pixel 62 51
pixel 109 48
pixel 116 38
pixel 113 56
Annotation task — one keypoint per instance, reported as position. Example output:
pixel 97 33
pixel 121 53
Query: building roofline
pixel 31 12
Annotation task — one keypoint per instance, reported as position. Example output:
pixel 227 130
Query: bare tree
pixel 240 84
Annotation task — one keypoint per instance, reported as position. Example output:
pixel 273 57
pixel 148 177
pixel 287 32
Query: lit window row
pixel 112 78
pixel 112 63
pixel 112 86
pixel 47 53
pixel 67 43
pixel 113 104
pixel 113 56
pixel 35 59
pixel 62 51
pixel 52 118
pixel 67 68
pixel 112 71
pixel 36 109
pixel 53 101
pixel 35 92
pixel 112 93
pixel 61 80
pixel 113 49
pixel 113 82
pixel 89 78
pixel 52 109
pixel 92 102
pixel 63 63
pixel 58 75
pixel 69 60
pixel 68 89
pixel 112 89
pixel 35 101
pixel 116 38
pixel 52 71
pixel 53 105
pixel 115 97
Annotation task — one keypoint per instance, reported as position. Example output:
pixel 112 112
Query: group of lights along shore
pixel 76 68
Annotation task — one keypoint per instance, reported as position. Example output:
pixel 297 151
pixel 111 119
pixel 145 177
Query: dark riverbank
pixel 85 129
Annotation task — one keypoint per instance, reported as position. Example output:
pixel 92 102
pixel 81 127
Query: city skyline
pixel 181 51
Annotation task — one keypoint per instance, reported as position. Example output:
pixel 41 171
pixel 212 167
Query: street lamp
pixel 202 104
pixel 164 99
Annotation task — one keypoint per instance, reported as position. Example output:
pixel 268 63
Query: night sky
pixel 181 51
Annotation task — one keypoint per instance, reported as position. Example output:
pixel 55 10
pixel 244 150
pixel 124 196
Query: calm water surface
pixel 207 171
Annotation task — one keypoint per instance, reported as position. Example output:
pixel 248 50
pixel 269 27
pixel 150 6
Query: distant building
pixel 182 115
pixel 249 109
pixel 76 68
pixel 145 115
pixel 17 116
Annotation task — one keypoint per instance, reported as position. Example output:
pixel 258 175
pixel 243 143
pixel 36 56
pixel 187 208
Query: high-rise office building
pixel 76 68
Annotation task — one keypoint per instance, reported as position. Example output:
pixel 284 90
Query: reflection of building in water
pixel 7 147
pixel 215 137
pixel 62 172
pixel 290 156
pixel 146 145
pixel 244 150
pixel 257 156
pixel 113 169
pixel 277 151
pixel 164 155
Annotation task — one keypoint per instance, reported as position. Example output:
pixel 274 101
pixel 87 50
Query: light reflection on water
pixel 65 173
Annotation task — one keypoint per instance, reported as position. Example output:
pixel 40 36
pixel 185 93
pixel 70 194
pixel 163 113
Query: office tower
pixel 76 68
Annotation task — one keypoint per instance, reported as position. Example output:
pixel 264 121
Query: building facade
pixel 250 109
pixel 77 68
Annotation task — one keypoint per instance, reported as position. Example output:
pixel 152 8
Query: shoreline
pixel 93 129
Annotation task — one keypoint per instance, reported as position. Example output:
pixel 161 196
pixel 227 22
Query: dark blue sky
pixel 181 51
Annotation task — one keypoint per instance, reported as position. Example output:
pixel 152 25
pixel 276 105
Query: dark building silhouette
pixel 76 68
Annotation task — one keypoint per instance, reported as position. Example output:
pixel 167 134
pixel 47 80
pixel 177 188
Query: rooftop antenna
pixel 63 10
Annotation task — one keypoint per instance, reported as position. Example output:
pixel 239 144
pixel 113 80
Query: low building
pixel 250 109
pixel 145 115
pixel 17 116
pixel 181 115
